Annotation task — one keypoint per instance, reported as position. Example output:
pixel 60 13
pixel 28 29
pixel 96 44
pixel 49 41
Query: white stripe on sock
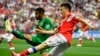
pixel 30 50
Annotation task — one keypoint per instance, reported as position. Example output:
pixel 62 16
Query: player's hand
pixel 35 23
pixel 37 30
pixel 93 27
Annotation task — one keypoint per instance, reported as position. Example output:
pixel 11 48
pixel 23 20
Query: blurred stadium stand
pixel 24 9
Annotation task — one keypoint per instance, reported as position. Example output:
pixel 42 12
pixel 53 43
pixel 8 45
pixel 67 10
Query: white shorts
pixel 8 37
pixel 84 34
pixel 59 43
pixel 55 40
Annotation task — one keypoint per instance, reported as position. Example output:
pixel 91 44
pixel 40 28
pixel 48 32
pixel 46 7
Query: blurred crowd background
pixel 23 11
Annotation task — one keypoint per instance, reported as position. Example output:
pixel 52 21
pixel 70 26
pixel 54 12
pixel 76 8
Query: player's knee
pixel 28 37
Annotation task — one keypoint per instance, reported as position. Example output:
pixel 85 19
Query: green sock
pixel 18 34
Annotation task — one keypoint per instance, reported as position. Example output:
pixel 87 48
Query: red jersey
pixel 84 27
pixel 67 26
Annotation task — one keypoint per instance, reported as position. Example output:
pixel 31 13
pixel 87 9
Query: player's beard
pixel 38 18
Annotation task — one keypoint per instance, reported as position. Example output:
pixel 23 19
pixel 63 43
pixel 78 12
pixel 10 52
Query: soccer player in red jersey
pixel 62 38
pixel 83 32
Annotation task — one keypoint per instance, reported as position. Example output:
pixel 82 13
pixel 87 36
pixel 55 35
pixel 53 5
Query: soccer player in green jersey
pixel 44 23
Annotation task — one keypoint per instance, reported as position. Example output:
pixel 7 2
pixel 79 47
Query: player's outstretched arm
pixel 84 21
pixel 47 32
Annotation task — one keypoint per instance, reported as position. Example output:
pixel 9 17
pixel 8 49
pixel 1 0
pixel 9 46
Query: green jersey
pixel 45 24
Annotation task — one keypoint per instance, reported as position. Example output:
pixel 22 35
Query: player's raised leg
pixel 18 34
pixel 31 50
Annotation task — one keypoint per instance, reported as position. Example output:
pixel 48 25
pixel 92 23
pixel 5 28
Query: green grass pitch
pixel 89 48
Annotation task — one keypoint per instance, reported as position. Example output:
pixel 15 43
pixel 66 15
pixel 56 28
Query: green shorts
pixel 36 41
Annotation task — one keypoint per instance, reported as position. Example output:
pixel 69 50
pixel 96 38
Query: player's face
pixel 63 11
pixel 37 15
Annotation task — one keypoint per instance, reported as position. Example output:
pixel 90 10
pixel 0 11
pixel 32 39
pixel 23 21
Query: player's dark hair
pixel 40 10
pixel 66 5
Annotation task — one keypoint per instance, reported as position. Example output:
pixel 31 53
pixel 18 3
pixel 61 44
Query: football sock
pixel 28 51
